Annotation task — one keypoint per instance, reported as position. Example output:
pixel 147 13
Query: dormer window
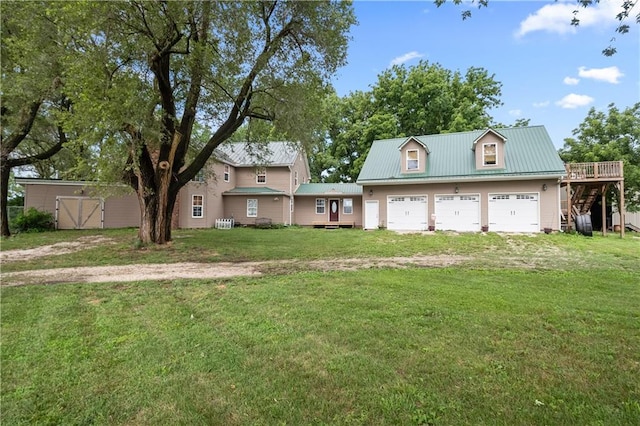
pixel 261 175
pixel 489 154
pixel 412 159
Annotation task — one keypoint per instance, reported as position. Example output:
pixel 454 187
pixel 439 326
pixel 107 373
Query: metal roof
pixel 257 190
pixel 329 189
pixel 529 151
pixel 246 154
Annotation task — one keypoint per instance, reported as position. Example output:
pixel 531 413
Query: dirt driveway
pixel 170 271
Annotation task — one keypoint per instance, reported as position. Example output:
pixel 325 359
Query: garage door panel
pixel 407 213
pixel 458 212
pixel 514 212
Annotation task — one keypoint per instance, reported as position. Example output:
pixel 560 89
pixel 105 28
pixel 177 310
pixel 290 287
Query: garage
pixel 407 213
pixel 514 213
pixel 458 212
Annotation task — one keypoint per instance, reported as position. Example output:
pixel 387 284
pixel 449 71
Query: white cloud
pixel 556 18
pixel 573 101
pixel 515 112
pixel 571 81
pixel 609 74
pixel 406 57
pixel 542 104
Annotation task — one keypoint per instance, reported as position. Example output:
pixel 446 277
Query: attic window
pixel 489 154
pixel 261 175
pixel 412 159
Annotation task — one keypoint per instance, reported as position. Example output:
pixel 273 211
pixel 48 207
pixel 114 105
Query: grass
pixel 494 341
pixel 558 251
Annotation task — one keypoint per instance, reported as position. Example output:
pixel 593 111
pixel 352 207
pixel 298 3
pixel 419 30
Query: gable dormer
pixel 489 150
pixel 413 156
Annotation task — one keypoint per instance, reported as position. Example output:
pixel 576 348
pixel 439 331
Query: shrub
pixel 34 220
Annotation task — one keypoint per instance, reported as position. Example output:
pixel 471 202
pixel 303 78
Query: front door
pixel 334 210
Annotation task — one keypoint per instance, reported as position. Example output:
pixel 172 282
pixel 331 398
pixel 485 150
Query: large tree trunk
pixel 5 170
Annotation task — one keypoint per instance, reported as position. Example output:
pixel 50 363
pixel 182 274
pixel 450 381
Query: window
pixel 199 177
pixel 295 178
pixel 489 154
pixel 252 207
pixel 320 206
pixel 261 175
pixel 197 202
pixel 227 172
pixel 347 206
pixel 412 159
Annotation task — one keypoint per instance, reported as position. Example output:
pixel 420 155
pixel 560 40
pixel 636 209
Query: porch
pixel 584 183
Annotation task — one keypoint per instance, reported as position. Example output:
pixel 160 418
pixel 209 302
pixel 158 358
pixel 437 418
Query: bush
pixel 34 220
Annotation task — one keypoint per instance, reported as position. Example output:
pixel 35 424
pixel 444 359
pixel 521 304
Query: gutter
pixel 400 181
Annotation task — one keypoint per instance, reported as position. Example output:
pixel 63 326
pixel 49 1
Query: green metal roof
pixel 258 190
pixel 529 151
pixel 329 189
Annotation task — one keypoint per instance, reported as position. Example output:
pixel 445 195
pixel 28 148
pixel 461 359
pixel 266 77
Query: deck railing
pixel 597 170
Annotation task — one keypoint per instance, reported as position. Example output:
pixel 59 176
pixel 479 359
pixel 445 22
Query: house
pixel 505 180
pixel 329 205
pixel 245 182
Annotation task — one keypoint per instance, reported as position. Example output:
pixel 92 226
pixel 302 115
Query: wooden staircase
pixel 586 182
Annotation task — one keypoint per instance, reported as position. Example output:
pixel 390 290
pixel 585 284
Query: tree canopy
pixel 143 76
pixel 33 98
pixel 418 100
pixel 611 135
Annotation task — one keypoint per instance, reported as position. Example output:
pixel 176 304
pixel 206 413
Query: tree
pixel 144 73
pixel 419 100
pixel 626 6
pixel 32 97
pixel 613 135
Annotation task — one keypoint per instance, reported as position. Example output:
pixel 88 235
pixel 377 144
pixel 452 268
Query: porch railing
pixel 596 170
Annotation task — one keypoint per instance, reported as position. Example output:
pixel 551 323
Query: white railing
pixel 224 223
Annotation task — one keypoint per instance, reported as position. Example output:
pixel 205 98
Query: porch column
pixel 621 208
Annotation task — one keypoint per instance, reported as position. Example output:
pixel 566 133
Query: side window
pixel 412 159
pixel 252 207
pixel 320 206
pixel 295 178
pixel 489 154
pixel 199 177
pixel 347 206
pixel 197 206
pixel 227 172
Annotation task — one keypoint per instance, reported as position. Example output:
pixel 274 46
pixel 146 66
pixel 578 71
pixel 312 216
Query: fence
pixel 224 223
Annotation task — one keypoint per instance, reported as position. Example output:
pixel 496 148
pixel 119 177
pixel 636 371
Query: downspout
pixel 290 195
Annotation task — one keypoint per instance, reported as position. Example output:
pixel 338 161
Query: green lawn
pixel 495 340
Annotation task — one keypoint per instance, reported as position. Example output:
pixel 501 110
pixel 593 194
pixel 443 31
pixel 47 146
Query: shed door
pixel 407 213
pixel 79 213
pixel 458 212
pixel 514 213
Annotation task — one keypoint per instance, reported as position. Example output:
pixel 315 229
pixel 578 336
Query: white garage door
pixel 458 212
pixel 407 213
pixel 514 213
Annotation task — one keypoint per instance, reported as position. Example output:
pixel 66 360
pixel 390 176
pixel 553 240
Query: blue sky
pixel 552 73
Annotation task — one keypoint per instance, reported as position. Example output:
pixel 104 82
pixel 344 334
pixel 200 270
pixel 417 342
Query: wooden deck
pixel 585 182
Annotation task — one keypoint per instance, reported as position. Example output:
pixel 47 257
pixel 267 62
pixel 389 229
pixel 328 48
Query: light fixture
pixel 456 190
pixel 544 186
pixel 276 199
pixel 371 193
